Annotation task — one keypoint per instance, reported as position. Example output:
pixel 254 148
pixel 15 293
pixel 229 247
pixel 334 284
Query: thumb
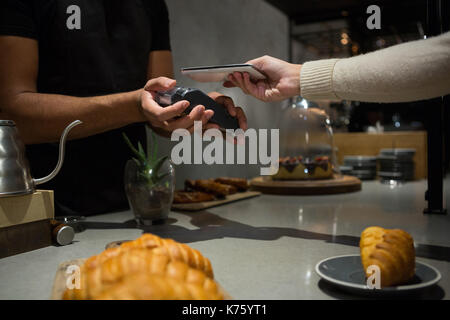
pixel 262 63
pixel 160 84
pixel 258 62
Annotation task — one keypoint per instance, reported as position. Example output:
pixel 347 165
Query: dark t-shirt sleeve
pixel 17 19
pixel 159 21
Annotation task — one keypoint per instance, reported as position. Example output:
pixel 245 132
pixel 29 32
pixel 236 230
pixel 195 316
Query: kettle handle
pixel 62 144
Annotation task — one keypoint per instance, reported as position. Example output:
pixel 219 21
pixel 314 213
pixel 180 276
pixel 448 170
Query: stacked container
pixel 396 165
pixel 362 167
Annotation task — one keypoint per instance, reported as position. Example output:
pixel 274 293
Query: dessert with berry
pixel 298 168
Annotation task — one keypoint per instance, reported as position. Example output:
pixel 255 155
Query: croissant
pixel 191 197
pixel 239 183
pixel 95 280
pixel 392 251
pixel 151 287
pixel 176 251
pixel 210 186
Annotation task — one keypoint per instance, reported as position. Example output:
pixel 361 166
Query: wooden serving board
pixel 208 204
pixel 339 184
pixel 59 282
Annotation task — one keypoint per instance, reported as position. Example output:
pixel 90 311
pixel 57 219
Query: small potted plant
pixel 149 183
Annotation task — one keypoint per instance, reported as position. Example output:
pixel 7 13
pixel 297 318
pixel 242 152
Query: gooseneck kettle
pixel 15 177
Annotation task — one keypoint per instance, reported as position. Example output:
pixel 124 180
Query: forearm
pixel 41 118
pixel 411 71
pixel 160 65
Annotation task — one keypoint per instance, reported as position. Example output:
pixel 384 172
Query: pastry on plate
pixel 392 250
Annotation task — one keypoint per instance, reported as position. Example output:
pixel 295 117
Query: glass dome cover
pixel 306 143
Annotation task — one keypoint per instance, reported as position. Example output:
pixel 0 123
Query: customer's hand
pixel 169 118
pixel 234 111
pixel 283 80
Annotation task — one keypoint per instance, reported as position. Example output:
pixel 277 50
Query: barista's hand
pixel 283 80
pixel 169 118
pixel 234 111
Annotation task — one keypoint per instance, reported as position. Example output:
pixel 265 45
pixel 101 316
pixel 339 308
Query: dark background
pixel 401 21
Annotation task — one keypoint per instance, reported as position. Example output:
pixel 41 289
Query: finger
pixel 230 138
pixel 207 132
pixel 249 85
pixel 261 87
pixel 160 84
pixel 187 121
pixel 205 118
pixel 240 81
pixel 211 125
pixel 228 103
pixel 239 139
pixel 242 118
pixel 208 115
pixel 190 129
pixel 155 112
pixel 233 81
pixel 228 84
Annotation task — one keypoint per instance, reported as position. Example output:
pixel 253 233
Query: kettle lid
pixel 7 123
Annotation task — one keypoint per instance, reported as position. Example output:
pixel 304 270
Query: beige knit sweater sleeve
pixel 410 71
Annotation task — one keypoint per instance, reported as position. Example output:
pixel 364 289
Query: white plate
pixel 347 273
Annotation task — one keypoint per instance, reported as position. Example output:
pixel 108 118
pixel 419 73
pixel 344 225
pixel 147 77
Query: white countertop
pixel 261 248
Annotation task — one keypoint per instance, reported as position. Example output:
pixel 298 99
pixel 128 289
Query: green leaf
pixel 133 149
pixel 137 162
pixel 152 149
pixel 142 152
pixel 144 175
pixel 160 177
pixel 159 164
pixel 149 165
pixel 140 148
pixel 155 146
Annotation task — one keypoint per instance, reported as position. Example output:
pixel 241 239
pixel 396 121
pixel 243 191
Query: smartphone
pixel 197 97
pixel 220 73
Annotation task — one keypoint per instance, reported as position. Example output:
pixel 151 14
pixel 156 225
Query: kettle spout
pixel 62 144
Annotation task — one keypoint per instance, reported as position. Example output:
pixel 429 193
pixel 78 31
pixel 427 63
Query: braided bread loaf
pixel 151 287
pixel 98 279
pixel 392 251
pixel 176 251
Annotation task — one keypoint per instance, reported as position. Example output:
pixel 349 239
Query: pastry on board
pixel 299 168
pixel 151 287
pixel 191 196
pixel 210 186
pixel 177 251
pixel 240 183
pixel 392 250
pixel 141 261
pixel 204 190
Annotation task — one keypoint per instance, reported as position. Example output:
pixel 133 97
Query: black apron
pixel 108 54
